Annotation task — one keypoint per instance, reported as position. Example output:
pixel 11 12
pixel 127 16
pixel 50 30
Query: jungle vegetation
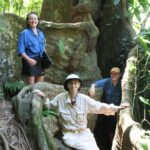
pixel 139 14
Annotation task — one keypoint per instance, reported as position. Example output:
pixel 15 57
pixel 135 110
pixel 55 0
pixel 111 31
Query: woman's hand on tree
pixel 40 93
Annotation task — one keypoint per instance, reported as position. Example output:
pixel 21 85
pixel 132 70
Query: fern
pixel 13 87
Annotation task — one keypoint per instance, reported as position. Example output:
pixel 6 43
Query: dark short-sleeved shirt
pixel 30 44
pixel 111 93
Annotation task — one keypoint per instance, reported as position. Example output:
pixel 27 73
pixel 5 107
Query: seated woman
pixel 73 108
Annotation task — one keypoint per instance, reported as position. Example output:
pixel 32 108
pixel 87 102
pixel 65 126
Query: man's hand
pixel 91 91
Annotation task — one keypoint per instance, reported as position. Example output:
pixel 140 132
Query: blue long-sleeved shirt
pixel 30 44
pixel 111 93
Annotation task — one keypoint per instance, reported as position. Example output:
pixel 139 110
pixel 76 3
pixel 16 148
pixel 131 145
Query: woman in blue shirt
pixel 31 45
pixel 106 125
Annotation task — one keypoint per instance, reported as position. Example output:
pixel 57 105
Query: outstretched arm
pixel 112 109
pixel 97 107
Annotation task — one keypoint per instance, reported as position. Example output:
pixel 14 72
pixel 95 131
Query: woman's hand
pixel 123 106
pixel 31 61
pixel 112 109
pixel 40 93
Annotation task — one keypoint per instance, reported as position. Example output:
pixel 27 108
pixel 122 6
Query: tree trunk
pixel 57 11
pixel 129 134
pixel 115 39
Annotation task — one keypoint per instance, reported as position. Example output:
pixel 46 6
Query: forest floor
pixel 12 135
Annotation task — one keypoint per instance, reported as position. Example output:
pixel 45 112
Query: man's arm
pixel 100 84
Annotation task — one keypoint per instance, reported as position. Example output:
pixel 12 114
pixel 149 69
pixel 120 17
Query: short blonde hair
pixel 115 69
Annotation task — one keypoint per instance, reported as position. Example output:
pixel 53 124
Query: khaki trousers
pixel 80 140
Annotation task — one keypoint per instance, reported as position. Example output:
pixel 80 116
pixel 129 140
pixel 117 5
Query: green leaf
pixel 145 101
pixel 143 42
pixel 131 2
pixel 137 13
pixel 49 113
pixel 145 4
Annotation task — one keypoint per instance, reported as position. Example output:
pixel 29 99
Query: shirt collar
pixel 32 31
pixel 69 99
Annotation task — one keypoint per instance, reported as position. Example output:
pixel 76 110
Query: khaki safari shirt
pixel 74 117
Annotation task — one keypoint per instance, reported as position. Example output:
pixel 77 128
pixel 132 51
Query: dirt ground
pixel 12 135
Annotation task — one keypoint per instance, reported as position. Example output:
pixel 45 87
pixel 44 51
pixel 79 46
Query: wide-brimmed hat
pixel 71 77
pixel 115 69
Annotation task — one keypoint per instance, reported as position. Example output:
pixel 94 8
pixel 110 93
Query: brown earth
pixel 12 135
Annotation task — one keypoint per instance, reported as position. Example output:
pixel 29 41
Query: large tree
pixel 87 37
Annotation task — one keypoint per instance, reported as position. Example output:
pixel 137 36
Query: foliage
pixel 143 73
pixel 145 101
pixel 11 88
pixel 143 70
pixel 139 14
pixel 20 7
pixel 47 113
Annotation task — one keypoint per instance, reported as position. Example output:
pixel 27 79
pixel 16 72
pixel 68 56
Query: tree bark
pixel 115 39
pixel 129 133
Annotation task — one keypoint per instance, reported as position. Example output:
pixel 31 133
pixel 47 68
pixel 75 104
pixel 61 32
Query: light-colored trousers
pixel 80 140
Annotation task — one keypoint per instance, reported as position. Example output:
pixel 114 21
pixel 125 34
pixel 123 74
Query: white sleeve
pixel 97 107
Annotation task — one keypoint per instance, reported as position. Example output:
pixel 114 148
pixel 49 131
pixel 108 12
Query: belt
pixel 74 131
